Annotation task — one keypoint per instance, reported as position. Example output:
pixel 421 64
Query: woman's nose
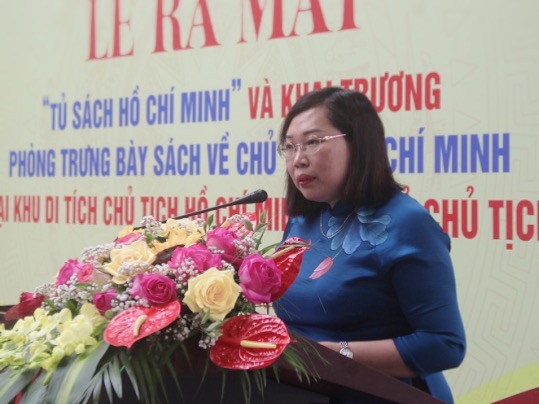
pixel 299 156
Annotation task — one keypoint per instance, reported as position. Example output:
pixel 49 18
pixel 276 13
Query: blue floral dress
pixel 379 273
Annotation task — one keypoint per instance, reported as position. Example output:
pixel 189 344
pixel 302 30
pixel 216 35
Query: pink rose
pixel 201 257
pixel 86 273
pixel 259 278
pixel 72 267
pixel 99 278
pixel 156 289
pixel 129 238
pixel 224 240
pixel 102 300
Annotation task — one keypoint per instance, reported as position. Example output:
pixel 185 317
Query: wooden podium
pixel 338 378
pixel 345 379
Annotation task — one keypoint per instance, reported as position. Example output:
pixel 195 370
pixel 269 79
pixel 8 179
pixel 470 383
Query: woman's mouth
pixel 304 180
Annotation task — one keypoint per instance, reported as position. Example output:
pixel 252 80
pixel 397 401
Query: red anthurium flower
pixel 138 322
pixel 250 342
pixel 288 258
pixel 28 303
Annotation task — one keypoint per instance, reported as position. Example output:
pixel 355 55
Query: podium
pixel 338 378
pixel 344 379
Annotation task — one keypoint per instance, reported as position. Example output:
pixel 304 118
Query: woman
pixel 377 283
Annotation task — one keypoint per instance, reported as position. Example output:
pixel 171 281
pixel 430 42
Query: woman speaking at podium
pixel 377 283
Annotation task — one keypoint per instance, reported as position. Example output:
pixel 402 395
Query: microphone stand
pixel 254 197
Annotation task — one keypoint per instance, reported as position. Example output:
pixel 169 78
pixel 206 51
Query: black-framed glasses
pixel 288 150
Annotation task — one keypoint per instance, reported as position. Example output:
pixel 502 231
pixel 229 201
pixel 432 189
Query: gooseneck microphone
pixel 254 197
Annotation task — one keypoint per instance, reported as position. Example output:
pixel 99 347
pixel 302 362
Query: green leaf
pixel 126 363
pixel 209 222
pixel 37 391
pixel 186 354
pixel 115 375
pixel 106 375
pixel 223 386
pixel 260 379
pixel 263 216
pixel 275 369
pixel 259 233
pixel 143 378
pixel 72 306
pixel 213 326
pixel 301 356
pixel 205 317
pixel 155 377
pixel 203 376
pixel 12 382
pixel 147 375
pixel 140 381
pixel 70 380
pixel 271 247
pixel 107 383
pixel 246 386
pixel 172 372
pixel 261 227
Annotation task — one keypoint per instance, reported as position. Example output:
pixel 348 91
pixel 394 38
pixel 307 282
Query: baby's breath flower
pixel 96 255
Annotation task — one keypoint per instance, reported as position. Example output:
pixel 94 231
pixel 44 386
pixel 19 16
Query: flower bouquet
pixel 123 311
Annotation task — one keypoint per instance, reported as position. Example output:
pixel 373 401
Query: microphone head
pixel 254 197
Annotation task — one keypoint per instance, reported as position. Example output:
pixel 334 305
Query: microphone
pixel 254 197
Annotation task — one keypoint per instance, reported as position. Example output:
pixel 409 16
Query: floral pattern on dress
pixel 365 228
pixel 347 235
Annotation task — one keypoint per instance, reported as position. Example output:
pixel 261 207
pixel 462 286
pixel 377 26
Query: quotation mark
pixel 236 84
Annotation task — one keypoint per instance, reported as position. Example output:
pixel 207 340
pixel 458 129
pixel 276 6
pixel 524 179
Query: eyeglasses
pixel 312 145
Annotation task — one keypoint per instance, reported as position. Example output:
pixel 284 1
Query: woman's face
pixel 320 177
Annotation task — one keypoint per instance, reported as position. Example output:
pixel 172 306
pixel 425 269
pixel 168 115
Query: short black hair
pixel 369 181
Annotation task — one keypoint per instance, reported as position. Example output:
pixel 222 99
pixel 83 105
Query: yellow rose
pixel 214 292
pixel 196 232
pixel 178 232
pixel 175 237
pixel 132 254
pixel 169 225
